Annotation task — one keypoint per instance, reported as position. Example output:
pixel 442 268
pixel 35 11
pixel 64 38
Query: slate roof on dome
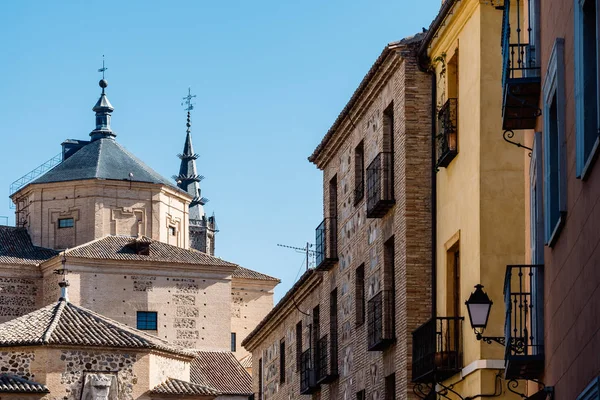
pixel 241 272
pixel 222 371
pixel 103 159
pixel 132 248
pixel 16 248
pixel 17 384
pixel 66 324
pixel 179 387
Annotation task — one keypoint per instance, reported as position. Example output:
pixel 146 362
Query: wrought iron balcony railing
pixel 380 321
pixel 447 133
pixel 380 185
pixel 308 382
pixel 520 75
pixel 326 253
pixel 524 323
pixel 326 360
pixel 437 349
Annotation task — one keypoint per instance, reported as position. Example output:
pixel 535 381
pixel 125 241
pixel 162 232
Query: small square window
pixel 66 223
pixel 172 231
pixel 233 342
pixel 147 320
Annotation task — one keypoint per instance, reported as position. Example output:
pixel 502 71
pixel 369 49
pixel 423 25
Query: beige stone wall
pixel 101 208
pixel 193 305
pixel 20 290
pixel 162 368
pixel 361 241
pixel 251 300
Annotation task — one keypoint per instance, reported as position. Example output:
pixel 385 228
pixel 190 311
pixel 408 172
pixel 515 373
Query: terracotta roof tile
pixel 246 361
pixel 18 384
pixel 129 248
pixel 16 248
pixel 241 272
pixel 64 323
pixel 222 371
pixel 176 386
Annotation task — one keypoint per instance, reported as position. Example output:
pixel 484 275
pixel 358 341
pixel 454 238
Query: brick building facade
pixel 344 330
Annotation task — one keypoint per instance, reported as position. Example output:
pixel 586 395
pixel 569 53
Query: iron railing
pixel 521 80
pixel 326 361
pixel 524 323
pixel 326 253
pixel 380 320
pixel 380 185
pixel 308 383
pixel 447 133
pixel 437 349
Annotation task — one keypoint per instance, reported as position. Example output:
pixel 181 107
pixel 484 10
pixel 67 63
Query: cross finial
pixel 189 106
pixel 103 67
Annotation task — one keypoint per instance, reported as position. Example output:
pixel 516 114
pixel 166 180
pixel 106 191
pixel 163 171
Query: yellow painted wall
pixel 480 195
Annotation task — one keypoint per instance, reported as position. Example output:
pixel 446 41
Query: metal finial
pixel 189 106
pixel 103 67
pixel 64 284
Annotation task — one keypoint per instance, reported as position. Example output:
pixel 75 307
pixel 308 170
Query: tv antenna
pixel 310 254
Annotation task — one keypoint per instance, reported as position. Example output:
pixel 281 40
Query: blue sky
pixel 270 76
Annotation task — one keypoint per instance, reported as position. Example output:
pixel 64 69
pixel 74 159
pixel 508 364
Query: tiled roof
pixel 359 90
pixel 241 272
pixel 103 159
pixel 64 323
pixel 131 249
pixel 16 248
pixel 246 361
pixel 175 386
pixel 290 293
pixel 18 384
pixel 222 371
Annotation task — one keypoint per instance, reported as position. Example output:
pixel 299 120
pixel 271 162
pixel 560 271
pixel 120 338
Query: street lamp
pixel 479 306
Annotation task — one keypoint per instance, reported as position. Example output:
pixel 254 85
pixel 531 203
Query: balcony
pixel 447 136
pixel 437 350
pixel 380 185
pixel 380 321
pixel 521 80
pixel 326 254
pixel 308 382
pixel 326 361
pixel 524 323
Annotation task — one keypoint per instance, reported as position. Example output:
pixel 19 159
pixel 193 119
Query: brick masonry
pixel 361 240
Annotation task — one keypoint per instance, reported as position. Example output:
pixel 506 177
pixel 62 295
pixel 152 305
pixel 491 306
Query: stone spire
pixel 103 109
pixel 188 178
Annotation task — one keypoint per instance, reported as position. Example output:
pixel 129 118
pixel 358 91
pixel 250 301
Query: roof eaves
pixel 436 24
pixel 280 305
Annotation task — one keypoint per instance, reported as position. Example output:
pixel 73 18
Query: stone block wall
pixel 19 294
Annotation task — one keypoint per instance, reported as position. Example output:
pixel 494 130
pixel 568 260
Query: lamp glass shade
pixel 479 313
pixel 479 306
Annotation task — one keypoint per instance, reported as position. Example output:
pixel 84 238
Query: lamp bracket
pixel 517 345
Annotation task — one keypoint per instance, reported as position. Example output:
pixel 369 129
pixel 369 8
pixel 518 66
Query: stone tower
pixel 202 229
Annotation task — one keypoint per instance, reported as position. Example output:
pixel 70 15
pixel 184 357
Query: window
pixel 333 197
pixel 282 361
pixel 233 342
pixel 172 231
pixel 146 320
pixel 359 293
pixel 360 395
pixel 536 215
pixel 592 392
pixel 260 379
pixel 390 387
pixel 316 327
pixel 586 84
pixel 453 301
pixel 359 173
pixel 333 331
pixel 66 223
pixel 298 345
pixel 554 144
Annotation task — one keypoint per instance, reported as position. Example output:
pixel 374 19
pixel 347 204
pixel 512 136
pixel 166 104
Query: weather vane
pixel 188 101
pixel 103 67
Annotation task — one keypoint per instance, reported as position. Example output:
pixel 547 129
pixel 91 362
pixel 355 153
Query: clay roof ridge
pixel 54 322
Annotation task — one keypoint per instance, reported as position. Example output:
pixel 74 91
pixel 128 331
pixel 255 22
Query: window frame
pixel 584 163
pixel 282 361
pixel 592 391
pixel 60 220
pixel 536 201
pixel 554 90
pixel 233 343
pixel 146 313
